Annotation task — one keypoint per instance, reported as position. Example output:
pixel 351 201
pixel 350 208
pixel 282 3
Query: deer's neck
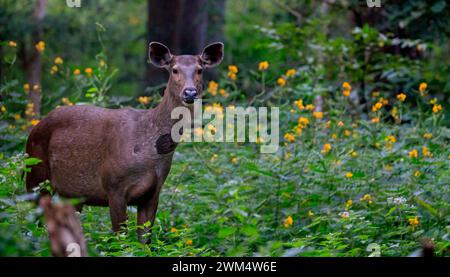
pixel 161 115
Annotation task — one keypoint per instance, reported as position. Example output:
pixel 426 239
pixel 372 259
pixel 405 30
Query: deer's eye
pixel 175 71
pixel 199 71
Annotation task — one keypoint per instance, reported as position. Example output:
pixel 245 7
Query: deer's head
pixel 186 71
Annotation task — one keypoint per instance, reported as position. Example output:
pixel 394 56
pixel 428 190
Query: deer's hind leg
pixel 118 211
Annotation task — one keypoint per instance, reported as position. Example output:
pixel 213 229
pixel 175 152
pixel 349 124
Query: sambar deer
pixel 118 157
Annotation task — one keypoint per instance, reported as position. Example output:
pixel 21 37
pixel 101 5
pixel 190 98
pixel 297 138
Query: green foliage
pixel 358 166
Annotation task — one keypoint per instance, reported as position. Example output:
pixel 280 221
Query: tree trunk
pixel 33 64
pixel 185 26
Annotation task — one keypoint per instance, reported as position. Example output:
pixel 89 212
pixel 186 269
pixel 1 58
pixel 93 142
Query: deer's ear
pixel 212 54
pixel 159 54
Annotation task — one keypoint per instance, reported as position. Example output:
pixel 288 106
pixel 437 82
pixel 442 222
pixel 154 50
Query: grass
pixel 343 183
pixel 227 199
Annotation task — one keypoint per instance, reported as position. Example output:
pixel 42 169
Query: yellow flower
pixel 401 97
pixel 58 60
pixel 375 94
pixel 26 87
pixel 102 63
pixel 88 71
pixel 414 221
pixel 310 107
pixel 54 69
pixel 303 121
pixel 348 204
pixel 34 122
pixel 189 242
pixel 290 72
pixel 349 175
pixel 377 106
pixel 212 87
pixel 223 93
pixel 318 115
pixel 144 100
pixel 76 72
pixel 417 173
pixel 413 153
pixel 234 160
pixel 281 82
pixel 40 46
pixel 354 154
pixel 288 222
pixel 334 136
pixel 17 117
pixel 264 65
pixel 173 230
pixel 298 129
pixel 375 120
pixel 36 87
pixel 437 108
pixel 233 69
pixel 426 152
pixel 346 89
pixel 3 109
pixel 423 87
pixel 289 137
pixel 310 213
pixel 232 76
pixel 346 86
pixel 347 133
pixel 66 101
pixel 29 109
pixel 433 101
pixel 326 148
pixel 299 104
pixel 12 43
pixel 367 198
pixel 341 124
pixel 428 136
pixel 391 139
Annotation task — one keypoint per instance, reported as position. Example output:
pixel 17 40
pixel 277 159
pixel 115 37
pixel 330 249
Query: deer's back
pixel 82 145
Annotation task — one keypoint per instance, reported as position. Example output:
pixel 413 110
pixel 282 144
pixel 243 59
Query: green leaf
pixel 32 161
pixel 438 7
pixel 427 206
pixel 391 211
pixel 249 230
pixel 254 167
pixel 225 232
pixel 92 89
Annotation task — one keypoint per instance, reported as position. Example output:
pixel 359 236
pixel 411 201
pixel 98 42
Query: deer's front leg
pixel 147 208
pixel 118 211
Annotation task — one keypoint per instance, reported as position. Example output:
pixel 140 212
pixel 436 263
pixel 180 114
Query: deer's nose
pixel 190 94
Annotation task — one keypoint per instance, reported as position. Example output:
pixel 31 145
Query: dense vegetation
pixel 364 156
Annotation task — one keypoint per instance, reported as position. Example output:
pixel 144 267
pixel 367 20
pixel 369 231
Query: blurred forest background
pixel 382 73
pixel 392 47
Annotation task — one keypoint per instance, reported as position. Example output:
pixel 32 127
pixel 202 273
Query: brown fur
pixel 116 157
